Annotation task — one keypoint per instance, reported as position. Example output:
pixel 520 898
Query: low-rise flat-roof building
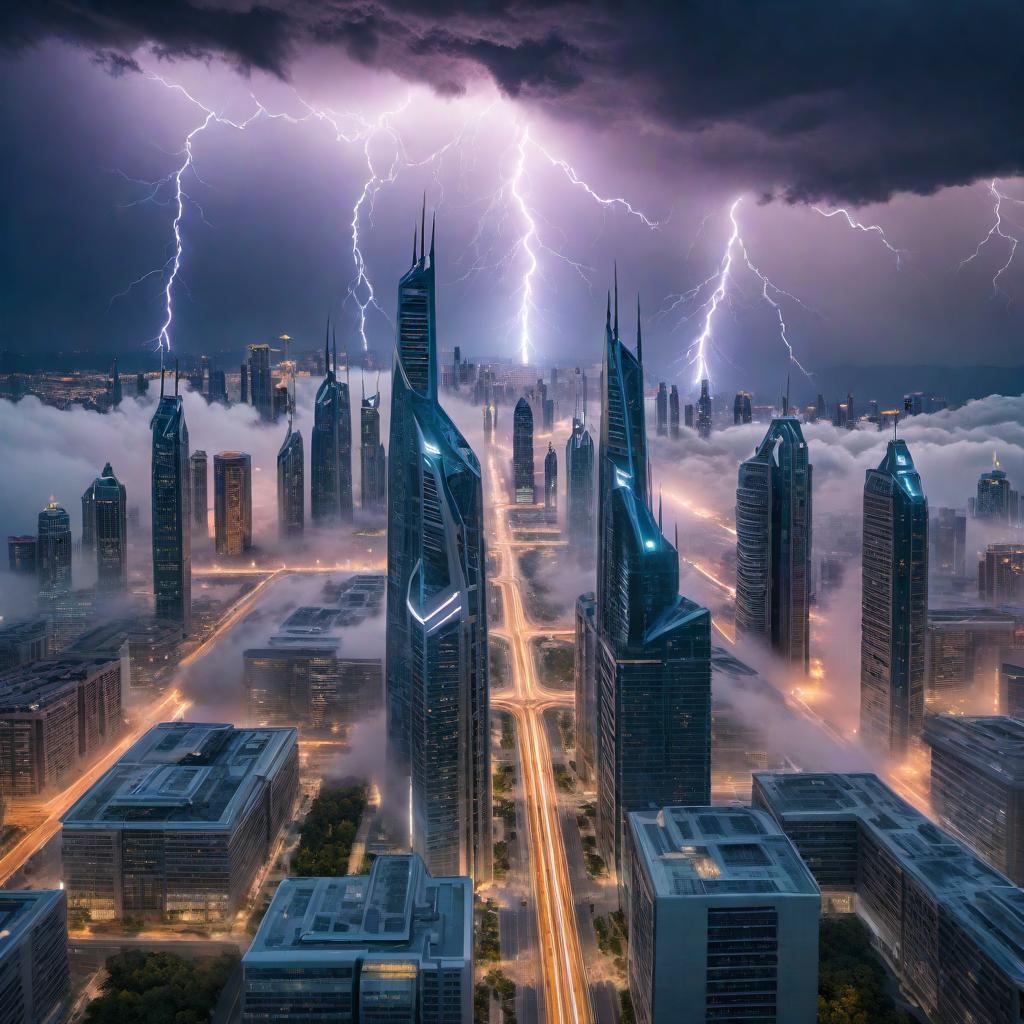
pixel 395 945
pixel 951 926
pixel 34 973
pixel 56 716
pixel 22 643
pixel 977 785
pixel 178 829
pixel 722 919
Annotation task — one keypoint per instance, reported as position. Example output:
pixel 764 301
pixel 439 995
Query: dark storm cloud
pixel 843 100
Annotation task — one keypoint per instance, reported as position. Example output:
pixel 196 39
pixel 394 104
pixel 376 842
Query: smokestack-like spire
pixel 423 224
pixel 414 245
pixel 433 226
pixel 608 314
pixel 639 342
pixel 327 348
pixel 616 271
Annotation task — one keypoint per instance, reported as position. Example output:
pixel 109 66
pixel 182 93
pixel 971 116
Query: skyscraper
pixel 372 461
pixel 551 478
pixel 21 554
pixel 111 531
pixel 115 385
pixel 661 410
pixel 490 419
pixel 673 412
pixel 704 409
pixel 742 411
pixel 773 542
pixel 523 490
pixel 894 603
pixel 172 536
pixel 654 646
pixel 947 533
pixel 243 384
pixel 88 520
pixel 688 415
pixel 261 384
pixel 327 455
pixel 232 502
pixel 579 487
pixel 437 661
pixel 291 484
pixel 1001 574
pixel 53 550
pixel 996 499
pixel 197 464
pixel 217 389
pixel 585 679
pixel 344 444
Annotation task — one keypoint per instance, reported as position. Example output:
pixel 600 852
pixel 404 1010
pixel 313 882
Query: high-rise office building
pixel 1001 575
pixel 34 968
pixel 115 385
pixel 585 678
pixel 88 520
pixel 996 500
pixel 437 661
pixel 661 410
pixel 579 487
pixel 947 535
pixel 742 409
pixel 232 502
pixel 947 923
pixel 977 785
pixel 688 416
pixel 217 389
pixel 53 550
pixel 372 461
pixel 243 384
pixel 704 409
pixel 328 452
pixel 1011 684
pixel 962 654
pixel 673 412
pixel 773 543
pixel 261 383
pixel 141 384
pixel 345 447
pixel 392 946
pixel 200 501
pixel 490 420
pixel 894 603
pixel 110 518
pixel 172 510
pixel 523 489
pixel 291 484
pixel 178 828
pixel 21 554
pixel 551 478
pixel 723 891
pixel 654 646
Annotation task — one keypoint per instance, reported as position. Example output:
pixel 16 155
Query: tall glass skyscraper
pixel 261 385
pixel 437 695
pixel 291 485
pixel 110 514
pixel 344 444
pixel 773 542
pixel 172 536
pixel 653 743
pixel 551 478
pixel 579 487
pixel 742 410
pixel 704 409
pixel 372 462
pixel 523 487
pixel 673 412
pixel 197 462
pixel 661 410
pixel 232 502
pixel 894 603
pixel 331 449
pixel 88 520
pixel 53 550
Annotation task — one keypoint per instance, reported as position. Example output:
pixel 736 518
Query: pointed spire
pixel 327 348
pixel 362 383
pixel 161 373
pixel 175 376
pixel 616 271
pixel 433 226
pixel 423 224
pixel 608 314
pixel 639 342
pixel 414 245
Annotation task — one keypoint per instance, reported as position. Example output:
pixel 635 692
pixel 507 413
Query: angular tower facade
pixel 551 479
pixel 53 551
pixel 653 738
pixel 894 603
pixel 232 502
pixel 773 543
pixel 437 662
pixel 661 410
pixel 110 531
pixel 372 461
pixel 172 534
pixel 291 485
pixel 197 461
pixel 325 449
pixel 523 488
pixel 579 487
pixel 261 385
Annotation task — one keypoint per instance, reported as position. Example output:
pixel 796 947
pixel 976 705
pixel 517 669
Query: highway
pixel 566 992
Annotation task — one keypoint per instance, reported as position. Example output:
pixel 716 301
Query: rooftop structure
pixel 34 972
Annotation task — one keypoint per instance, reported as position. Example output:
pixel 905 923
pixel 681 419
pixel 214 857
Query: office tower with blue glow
pixel 894 603
pixel 551 479
pixel 653 743
pixel 773 543
pixel 372 460
pixel 198 464
pixel 110 531
pixel 261 384
pixel 523 489
pixel 661 410
pixel 232 502
pixel 579 487
pixel 291 484
pixel 53 550
pixel 172 533
pixel 437 660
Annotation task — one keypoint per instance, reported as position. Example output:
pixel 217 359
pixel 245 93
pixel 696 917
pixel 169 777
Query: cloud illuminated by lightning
pixel 856 225
pixel 996 231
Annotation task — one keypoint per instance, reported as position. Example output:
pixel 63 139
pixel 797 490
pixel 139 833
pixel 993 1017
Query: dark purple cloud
pixel 839 100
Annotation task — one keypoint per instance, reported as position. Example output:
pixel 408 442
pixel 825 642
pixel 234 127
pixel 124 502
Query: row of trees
pixel 329 830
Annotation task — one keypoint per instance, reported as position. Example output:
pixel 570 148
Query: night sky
pixel 902 112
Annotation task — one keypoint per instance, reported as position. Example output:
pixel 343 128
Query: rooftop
pixel 20 909
pixel 397 909
pixel 993 744
pixel 718 851
pixel 184 775
pixel 983 902
pixel 32 687
pixel 991 617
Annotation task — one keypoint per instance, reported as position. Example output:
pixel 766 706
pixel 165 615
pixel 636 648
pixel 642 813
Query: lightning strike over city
pixel 437 631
